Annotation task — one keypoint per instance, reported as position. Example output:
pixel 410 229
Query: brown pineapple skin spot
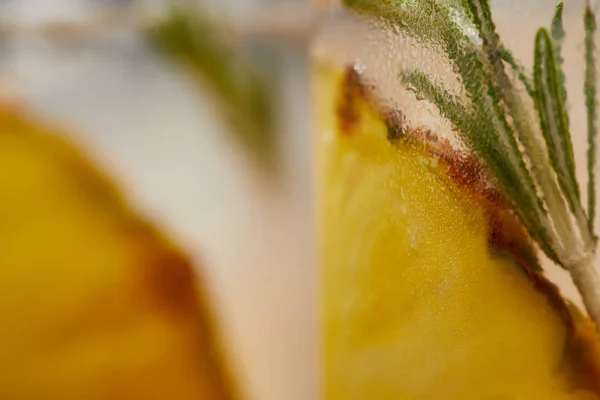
pixel 353 95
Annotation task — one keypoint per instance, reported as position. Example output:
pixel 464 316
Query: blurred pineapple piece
pixel 95 302
pixel 430 288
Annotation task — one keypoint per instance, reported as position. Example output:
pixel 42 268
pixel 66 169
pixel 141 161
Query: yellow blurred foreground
pixel 96 303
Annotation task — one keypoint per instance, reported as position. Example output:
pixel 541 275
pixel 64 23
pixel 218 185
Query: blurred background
pixel 86 65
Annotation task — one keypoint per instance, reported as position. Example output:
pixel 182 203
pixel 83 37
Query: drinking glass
pixel 429 282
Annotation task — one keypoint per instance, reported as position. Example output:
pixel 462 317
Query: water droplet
pixel 359 67
pixel 413 241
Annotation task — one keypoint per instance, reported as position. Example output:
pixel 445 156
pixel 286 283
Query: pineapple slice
pixel 429 285
pixel 95 302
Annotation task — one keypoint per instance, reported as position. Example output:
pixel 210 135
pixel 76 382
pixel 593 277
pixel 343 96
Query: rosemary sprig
pixel 553 120
pixel 531 160
pixel 532 142
pixel 591 104
pixel 490 136
pixel 473 127
pixel 242 90
pixel 555 65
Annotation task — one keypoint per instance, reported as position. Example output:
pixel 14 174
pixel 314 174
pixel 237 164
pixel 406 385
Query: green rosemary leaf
pixel 558 36
pixel 591 104
pixel 242 91
pixel 508 57
pixel 446 103
pixel 558 30
pixel 553 121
